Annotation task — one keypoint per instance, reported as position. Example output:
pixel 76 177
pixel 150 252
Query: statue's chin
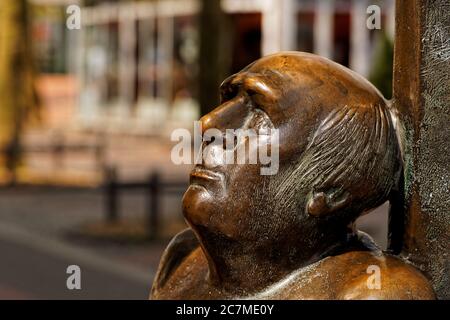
pixel 196 200
pixel 204 212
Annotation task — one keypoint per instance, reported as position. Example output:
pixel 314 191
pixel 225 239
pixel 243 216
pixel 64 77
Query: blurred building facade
pixel 132 67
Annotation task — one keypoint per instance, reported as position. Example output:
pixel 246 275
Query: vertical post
pixel 278 26
pixel 100 152
pixel 390 18
pixel 422 98
pixel 127 63
pixel 215 44
pixel 111 195
pixel 360 44
pixel 153 204
pixel 289 13
pixel 58 151
pixel 271 28
pixel 166 56
pixel 323 27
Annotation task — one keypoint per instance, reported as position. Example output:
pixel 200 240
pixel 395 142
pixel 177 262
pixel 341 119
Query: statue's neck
pixel 247 268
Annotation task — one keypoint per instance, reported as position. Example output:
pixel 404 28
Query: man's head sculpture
pixel 338 158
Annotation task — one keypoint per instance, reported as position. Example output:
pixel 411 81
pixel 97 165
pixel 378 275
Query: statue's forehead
pixel 283 73
pixel 306 72
pixel 274 69
pixel 286 63
pixel 289 69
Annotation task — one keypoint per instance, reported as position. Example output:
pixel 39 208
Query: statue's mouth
pixel 204 177
pixel 202 173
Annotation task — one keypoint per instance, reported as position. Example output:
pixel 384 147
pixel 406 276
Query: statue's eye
pixel 228 93
pixel 251 93
pixel 256 98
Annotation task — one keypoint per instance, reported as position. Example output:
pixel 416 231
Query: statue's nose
pixel 229 115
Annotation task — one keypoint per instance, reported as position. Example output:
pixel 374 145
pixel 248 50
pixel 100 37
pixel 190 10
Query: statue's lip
pixel 205 174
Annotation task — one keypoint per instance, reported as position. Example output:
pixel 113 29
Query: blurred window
pixel 167 68
pixel 247 39
pixel 100 64
pixel 167 58
pixel 185 57
pixel 49 39
pixel 146 57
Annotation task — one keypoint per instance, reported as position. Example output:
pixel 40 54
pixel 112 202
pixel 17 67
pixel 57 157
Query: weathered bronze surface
pixel 422 96
pixel 291 235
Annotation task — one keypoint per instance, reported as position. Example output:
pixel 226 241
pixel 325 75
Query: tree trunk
pixel 215 53
pixel 17 95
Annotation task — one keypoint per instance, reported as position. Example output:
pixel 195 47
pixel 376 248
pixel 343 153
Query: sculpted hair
pixel 353 155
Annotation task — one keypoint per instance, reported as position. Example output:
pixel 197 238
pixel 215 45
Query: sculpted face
pixel 302 96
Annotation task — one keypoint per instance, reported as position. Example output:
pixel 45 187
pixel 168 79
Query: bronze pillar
pixel 422 97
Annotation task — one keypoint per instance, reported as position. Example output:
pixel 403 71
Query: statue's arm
pixel 177 250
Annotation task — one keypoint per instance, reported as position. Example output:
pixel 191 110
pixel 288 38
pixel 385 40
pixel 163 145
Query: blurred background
pixel 86 115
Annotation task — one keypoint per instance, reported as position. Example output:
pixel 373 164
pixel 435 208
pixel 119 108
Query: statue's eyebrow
pixel 251 83
pixel 259 86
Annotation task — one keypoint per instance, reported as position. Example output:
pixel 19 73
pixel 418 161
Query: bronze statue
pixel 291 235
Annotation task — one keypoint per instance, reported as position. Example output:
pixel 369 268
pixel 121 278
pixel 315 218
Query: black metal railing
pixel 155 188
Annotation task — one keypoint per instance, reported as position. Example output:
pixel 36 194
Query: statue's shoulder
pixel 375 276
pixel 179 248
pixel 354 275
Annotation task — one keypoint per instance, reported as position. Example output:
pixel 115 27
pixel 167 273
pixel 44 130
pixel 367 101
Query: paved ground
pixel 36 248
pixel 28 272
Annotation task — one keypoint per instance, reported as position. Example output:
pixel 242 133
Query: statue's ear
pixel 324 203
